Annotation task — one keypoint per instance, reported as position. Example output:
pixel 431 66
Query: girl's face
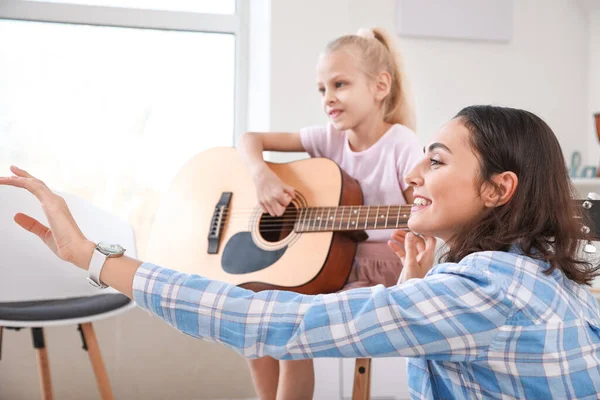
pixel 349 97
pixel 446 181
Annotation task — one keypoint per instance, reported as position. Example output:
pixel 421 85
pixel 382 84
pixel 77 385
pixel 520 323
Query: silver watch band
pixel 95 268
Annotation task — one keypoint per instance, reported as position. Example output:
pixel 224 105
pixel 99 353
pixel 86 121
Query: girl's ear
pixel 383 85
pixel 505 185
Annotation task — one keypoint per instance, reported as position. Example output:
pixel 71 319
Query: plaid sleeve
pixel 452 314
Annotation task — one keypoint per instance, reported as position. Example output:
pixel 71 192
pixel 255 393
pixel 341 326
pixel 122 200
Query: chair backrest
pixel 28 269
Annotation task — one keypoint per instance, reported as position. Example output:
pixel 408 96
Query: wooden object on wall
pixel 597 118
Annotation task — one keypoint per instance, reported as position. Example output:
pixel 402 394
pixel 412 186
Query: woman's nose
pixel 414 177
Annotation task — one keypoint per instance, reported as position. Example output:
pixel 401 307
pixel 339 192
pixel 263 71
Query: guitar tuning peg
pixel 593 196
pixel 589 248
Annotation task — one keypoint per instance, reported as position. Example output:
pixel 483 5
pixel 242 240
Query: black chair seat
pixel 52 310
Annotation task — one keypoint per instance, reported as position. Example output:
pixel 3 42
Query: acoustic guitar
pixel 209 223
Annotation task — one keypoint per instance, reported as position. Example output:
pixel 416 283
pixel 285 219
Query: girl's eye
pixel 339 84
pixel 322 90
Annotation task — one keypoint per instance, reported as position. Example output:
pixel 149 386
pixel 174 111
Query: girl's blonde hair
pixel 377 52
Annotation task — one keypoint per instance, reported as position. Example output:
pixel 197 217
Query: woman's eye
pixel 339 84
pixel 322 90
pixel 433 162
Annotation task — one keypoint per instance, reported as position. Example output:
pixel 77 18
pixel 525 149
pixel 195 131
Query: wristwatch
pixel 102 251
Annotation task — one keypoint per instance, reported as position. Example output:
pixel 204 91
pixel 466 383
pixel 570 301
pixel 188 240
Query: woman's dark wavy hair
pixel 541 215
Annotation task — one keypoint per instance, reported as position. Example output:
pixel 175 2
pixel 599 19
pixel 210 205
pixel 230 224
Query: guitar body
pixel 253 250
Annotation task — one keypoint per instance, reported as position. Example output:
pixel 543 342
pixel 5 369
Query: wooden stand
pixel 90 344
pixel 597 118
pixel 96 359
pixel 43 365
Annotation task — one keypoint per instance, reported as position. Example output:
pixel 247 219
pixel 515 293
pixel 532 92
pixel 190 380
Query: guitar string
pixel 308 219
pixel 290 229
pixel 354 219
pixel 339 209
pixel 320 226
pixel 401 227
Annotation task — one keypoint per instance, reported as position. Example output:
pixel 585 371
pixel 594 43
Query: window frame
pixel 235 24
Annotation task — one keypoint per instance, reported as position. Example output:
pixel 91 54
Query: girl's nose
pixel 329 97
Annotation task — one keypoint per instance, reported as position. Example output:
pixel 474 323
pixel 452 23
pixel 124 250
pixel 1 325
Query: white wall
pixel 543 69
pixel 550 67
pixel 593 81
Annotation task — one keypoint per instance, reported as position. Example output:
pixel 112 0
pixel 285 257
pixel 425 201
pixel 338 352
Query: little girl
pixel 370 136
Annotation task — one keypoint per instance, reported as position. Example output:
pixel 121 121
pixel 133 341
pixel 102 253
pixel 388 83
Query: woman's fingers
pixel 31 225
pixel 37 228
pixel 410 247
pixel 20 172
pixel 398 249
pixel 415 252
pixel 430 242
pixel 25 180
pixel 429 251
pixel 399 234
pixel 62 234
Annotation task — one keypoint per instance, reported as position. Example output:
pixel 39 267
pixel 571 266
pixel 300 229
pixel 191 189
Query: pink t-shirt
pixel 380 169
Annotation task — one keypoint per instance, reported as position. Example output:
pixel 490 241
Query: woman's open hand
pixel 415 252
pixel 63 236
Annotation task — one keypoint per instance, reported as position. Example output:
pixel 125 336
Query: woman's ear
pixel 383 85
pixel 505 185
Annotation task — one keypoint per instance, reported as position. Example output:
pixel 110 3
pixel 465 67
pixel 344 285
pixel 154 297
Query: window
pixel 110 112
pixel 198 6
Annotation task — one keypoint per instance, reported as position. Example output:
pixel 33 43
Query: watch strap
pixel 96 264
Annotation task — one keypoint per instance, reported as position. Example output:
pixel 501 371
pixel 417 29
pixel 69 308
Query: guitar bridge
pixel 217 222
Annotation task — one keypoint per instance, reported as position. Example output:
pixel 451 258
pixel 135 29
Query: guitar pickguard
pixel 242 256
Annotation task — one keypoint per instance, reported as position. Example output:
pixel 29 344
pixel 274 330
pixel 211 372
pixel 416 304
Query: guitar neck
pixel 351 218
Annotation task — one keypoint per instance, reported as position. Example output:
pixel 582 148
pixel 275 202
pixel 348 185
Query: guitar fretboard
pixel 351 218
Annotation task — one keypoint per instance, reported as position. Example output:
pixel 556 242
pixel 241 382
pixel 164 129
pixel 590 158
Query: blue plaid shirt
pixel 491 326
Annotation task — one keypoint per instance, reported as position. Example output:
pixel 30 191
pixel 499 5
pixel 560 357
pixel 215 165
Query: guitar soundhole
pixel 274 229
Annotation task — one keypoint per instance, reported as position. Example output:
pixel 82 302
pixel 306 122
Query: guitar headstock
pixel 590 224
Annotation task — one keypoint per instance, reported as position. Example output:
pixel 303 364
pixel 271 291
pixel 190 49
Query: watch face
pixel 110 248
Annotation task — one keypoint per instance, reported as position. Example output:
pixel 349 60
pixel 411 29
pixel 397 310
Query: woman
pixel 508 315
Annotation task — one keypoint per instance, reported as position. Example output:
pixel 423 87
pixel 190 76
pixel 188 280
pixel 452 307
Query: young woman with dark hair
pixel 507 315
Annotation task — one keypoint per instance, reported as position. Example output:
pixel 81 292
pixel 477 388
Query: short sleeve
pixel 314 140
